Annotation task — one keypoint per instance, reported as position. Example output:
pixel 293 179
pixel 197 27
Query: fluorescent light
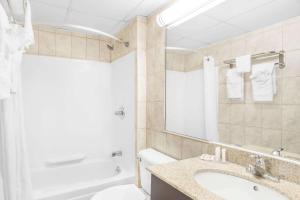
pixel 184 10
pixel 180 49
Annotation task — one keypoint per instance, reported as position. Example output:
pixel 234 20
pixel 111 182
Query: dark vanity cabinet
pixel 160 190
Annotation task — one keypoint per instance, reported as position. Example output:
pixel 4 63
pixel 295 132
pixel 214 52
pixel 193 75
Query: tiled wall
pixel 284 36
pixel 51 41
pixel 182 61
pixel 270 125
pixel 135 34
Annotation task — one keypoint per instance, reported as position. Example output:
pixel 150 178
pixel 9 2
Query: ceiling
pixel 105 15
pixel 232 18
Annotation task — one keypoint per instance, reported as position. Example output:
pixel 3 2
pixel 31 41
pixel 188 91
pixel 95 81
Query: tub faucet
pixel 259 169
pixel 277 152
pixel 116 153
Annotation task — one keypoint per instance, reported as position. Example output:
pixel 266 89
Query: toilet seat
pixel 121 192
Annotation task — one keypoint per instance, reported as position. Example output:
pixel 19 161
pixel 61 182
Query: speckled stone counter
pixel 180 175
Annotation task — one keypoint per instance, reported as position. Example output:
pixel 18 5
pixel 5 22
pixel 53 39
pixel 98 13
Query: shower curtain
pixel 14 170
pixel 15 182
pixel 210 98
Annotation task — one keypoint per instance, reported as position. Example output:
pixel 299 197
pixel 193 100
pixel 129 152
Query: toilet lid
pixel 121 192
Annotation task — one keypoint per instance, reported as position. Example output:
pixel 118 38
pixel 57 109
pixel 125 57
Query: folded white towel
pixel 263 82
pixel 243 64
pixel 235 84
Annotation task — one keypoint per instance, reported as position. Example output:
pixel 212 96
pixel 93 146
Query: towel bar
pixel 262 56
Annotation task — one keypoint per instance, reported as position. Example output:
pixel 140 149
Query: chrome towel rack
pixel 262 56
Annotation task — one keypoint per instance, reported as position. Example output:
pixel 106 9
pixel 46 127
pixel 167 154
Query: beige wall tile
pixel 141 141
pixel 237 114
pixel 253 136
pixel 156 87
pixel 191 148
pixel 224 113
pixel 174 146
pixel 92 49
pixel 253 115
pixel 155 60
pixel 291 40
pixel 291 141
pixel 238 47
pixel 237 134
pixel 175 61
pixel 254 42
pixel 141 88
pixel 78 47
pixel 155 116
pixel 46 43
pixel 271 138
pixel 142 63
pixel 292 60
pixel 222 74
pixel 105 53
pixel 291 91
pixel 272 116
pixel 224 133
pixel 141 115
pixel 248 93
pixel 223 94
pixel 159 141
pixel 273 39
pixel 291 118
pixel 63 45
pixel 47 28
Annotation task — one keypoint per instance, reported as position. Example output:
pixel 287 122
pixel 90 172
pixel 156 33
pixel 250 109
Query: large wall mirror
pixel 230 79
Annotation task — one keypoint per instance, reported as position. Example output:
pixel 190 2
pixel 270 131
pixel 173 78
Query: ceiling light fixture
pixel 180 49
pixel 184 10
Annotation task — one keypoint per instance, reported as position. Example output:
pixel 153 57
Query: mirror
pixel 199 55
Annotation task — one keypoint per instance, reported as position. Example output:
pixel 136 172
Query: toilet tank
pixel 147 158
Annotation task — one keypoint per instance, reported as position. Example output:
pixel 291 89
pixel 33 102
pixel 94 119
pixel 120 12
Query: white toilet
pixel 147 158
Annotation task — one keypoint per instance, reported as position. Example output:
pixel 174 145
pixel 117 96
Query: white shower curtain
pixel 14 170
pixel 15 182
pixel 210 98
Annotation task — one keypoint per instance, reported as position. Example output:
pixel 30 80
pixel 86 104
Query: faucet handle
pixel 259 160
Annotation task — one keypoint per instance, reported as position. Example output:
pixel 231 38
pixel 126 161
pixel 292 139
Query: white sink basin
pixel 233 188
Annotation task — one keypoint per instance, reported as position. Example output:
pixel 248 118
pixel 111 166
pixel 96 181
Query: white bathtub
pixel 78 181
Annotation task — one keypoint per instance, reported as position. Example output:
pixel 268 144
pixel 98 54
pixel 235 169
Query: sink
pixel 234 188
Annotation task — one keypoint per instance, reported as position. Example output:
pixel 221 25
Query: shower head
pixel 110 47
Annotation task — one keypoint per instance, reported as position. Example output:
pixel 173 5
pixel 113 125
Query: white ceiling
pixel 232 18
pixel 106 15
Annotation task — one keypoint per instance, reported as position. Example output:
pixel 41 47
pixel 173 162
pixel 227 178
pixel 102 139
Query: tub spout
pixel 116 153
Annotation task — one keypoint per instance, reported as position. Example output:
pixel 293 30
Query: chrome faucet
pixel 277 152
pixel 259 169
pixel 116 153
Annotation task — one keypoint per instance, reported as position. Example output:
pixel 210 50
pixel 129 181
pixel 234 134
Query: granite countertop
pixel 180 176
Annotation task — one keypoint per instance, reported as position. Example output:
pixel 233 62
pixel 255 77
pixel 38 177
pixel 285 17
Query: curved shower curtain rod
pixel 92 30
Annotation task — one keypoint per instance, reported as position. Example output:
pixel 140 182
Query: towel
pixel 235 84
pixel 263 82
pixel 243 64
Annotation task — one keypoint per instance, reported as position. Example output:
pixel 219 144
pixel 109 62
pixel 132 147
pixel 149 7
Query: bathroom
pixel 149 99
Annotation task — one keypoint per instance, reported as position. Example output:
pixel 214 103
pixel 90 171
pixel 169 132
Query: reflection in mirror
pixel 248 94
pixel 184 95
